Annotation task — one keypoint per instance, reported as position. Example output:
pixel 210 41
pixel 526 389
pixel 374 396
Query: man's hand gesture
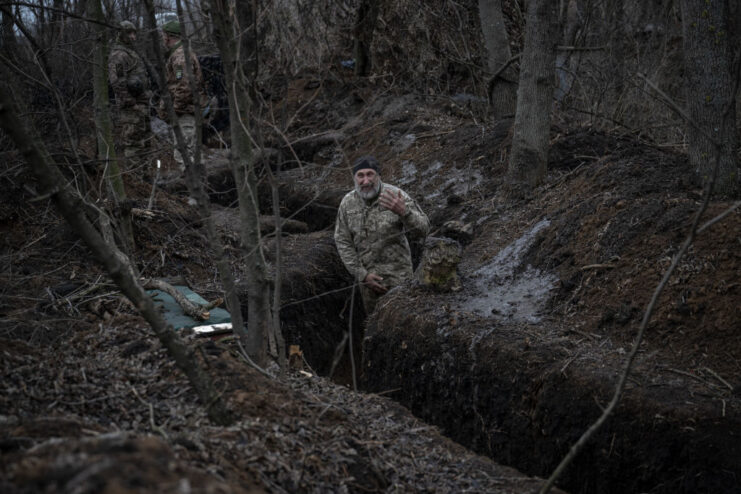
pixel 372 280
pixel 393 203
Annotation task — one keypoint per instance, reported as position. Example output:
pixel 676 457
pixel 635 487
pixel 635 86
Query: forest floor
pixel 90 402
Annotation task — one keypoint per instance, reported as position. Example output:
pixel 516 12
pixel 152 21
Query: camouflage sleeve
pixel 415 220
pixel 346 248
pixel 177 83
pixel 117 70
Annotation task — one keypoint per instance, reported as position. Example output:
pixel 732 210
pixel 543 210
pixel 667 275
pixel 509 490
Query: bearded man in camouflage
pixel 177 83
pixel 370 232
pixel 130 83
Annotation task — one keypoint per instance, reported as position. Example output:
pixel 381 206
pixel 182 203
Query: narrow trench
pixel 440 387
pixel 480 391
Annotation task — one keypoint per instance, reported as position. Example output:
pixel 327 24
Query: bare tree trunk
pixel 529 155
pixel 566 60
pixel 245 176
pixel 195 19
pixel 104 131
pixel 365 25
pixel 503 87
pixel 8 35
pixel 711 84
pixel 616 42
pixel 246 13
pixel 115 262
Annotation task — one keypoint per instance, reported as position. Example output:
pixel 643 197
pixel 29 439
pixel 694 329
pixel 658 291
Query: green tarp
pixel 174 313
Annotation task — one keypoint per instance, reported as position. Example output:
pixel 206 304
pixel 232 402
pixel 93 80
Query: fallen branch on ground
pixel 196 311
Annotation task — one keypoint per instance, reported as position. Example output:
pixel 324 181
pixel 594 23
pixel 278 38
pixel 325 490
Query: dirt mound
pixel 553 291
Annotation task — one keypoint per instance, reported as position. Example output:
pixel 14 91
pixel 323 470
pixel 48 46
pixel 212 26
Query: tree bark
pixel 567 60
pixel 365 25
pixel 243 166
pixel 104 131
pixel 710 83
pixel 503 87
pixel 529 155
pixel 8 35
pixel 114 261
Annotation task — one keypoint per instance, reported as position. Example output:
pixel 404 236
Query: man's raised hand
pixel 393 203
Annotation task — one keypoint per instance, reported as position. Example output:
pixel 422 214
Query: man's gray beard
pixel 370 195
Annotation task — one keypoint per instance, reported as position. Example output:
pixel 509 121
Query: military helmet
pixel 127 26
pixel 172 27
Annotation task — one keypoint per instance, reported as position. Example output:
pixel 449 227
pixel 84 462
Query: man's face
pixel 168 40
pixel 367 183
pixel 131 37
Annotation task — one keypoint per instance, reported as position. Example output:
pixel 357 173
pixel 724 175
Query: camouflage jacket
pixel 126 69
pixel 177 81
pixel 372 239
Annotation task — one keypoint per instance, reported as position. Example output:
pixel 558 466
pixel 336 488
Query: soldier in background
pixel 128 78
pixel 371 232
pixel 177 83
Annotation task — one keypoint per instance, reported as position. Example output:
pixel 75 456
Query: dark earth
pixel 91 403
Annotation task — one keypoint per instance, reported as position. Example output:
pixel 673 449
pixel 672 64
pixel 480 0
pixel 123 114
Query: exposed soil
pixel 91 403
pixel 554 289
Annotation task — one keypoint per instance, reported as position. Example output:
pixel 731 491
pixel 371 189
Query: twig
pixel 154 186
pixel 568 362
pixel 243 353
pixel 571 172
pixel 715 375
pixel 597 266
pixel 719 217
pixel 679 110
pixel 314 297
pixel 338 352
pixel 501 69
pixel 67 13
pixel 349 330
pixel 579 48
pixel 306 363
pixel 693 376
pixel 435 134
pixel 154 426
pixel 387 391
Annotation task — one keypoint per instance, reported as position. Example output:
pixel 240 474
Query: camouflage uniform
pixel 182 97
pixel 130 83
pixel 372 239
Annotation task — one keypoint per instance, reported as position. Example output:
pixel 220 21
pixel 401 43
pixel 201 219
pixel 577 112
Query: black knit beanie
pixel 365 162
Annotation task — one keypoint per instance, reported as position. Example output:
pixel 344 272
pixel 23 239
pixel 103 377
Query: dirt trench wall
pixel 488 389
pixel 315 289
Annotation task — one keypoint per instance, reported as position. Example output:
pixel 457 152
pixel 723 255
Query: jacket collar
pixel 174 48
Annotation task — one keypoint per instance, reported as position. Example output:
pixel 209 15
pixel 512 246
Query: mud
pixel 501 292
